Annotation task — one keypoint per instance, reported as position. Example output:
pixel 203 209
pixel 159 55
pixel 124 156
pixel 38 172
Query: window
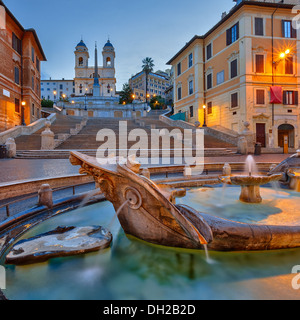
pixel 287 29
pixel 190 60
pixel 209 81
pixel 220 77
pixel 32 54
pixel 289 68
pixel 16 43
pixel 38 64
pixel 179 93
pixel 234 100
pixel 290 98
pixel 233 69
pixel 80 61
pixel 179 69
pixel 17 75
pixel 260 96
pixel 209 108
pixel 259 26
pixel 191 87
pixel 60 86
pixel 17 105
pixel 32 83
pixel 259 63
pixel 191 111
pixel 232 34
pixel 208 52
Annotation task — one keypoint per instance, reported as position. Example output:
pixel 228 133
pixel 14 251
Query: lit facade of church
pixel 85 74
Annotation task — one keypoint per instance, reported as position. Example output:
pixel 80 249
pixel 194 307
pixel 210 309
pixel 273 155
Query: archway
pixel 286 130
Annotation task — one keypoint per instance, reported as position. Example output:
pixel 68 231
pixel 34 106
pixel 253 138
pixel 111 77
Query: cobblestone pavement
pixel 23 169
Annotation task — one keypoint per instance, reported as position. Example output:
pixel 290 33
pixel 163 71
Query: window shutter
pixel 228 37
pixel 296 98
pixel 284 98
pixel 238 30
pixel 283 28
pixel 259 26
pixel 293 31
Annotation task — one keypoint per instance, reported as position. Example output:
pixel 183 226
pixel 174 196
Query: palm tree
pixel 148 65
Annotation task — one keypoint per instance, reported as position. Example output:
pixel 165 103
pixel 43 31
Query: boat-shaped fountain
pixel 148 213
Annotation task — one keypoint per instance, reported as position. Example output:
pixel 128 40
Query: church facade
pixel 85 74
pixel 83 82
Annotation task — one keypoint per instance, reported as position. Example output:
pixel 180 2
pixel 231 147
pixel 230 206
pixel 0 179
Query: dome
pixel 108 44
pixel 81 44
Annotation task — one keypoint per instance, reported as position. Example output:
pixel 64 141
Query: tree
pixel 148 65
pixel 126 95
pixel 157 102
pixel 47 103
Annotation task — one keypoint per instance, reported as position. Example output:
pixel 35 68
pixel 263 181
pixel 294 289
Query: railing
pixel 9 204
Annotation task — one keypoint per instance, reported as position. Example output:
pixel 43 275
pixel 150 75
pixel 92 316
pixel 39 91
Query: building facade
pixel 158 82
pixel 56 89
pixel 20 72
pixel 246 68
pixel 85 74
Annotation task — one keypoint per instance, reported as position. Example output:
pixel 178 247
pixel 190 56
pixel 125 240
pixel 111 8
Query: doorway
pixel 261 134
pixel 286 130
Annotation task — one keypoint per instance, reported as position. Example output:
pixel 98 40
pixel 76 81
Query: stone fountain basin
pixel 244 180
pixel 61 242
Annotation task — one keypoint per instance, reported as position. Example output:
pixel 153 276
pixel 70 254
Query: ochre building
pixel 246 68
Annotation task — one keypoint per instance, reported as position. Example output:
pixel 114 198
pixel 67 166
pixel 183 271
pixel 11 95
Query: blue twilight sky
pixel 136 28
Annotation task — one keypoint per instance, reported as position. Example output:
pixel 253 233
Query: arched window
pixel 108 61
pixel 80 61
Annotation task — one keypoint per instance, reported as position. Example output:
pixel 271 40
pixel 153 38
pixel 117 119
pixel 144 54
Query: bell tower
pixel 109 55
pixel 81 55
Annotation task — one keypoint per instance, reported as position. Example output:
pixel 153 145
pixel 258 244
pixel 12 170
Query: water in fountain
pixel 251 167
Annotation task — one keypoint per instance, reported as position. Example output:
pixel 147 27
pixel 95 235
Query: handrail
pixel 35 195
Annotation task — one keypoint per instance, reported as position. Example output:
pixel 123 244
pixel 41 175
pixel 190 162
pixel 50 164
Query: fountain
pixel 251 182
pixel 152 216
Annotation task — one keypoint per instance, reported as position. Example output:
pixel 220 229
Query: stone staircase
pixel 84 139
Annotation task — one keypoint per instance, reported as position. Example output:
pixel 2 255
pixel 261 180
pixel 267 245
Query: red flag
pixel 276 95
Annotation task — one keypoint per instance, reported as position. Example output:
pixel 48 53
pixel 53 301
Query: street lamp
pixel 23 103
pixel 85 107
pixel 54 93
pixel 204 110
pixel 133 97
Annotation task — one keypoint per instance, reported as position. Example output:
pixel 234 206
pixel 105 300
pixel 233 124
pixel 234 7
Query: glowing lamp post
pixel 23 104
pixel 204 112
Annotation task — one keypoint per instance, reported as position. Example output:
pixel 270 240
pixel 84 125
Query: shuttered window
pixel 16 43
pixel 233 69
pixel 208 52
pixel 234 100
pixel 260 96
pixel 209 81
pixel 209 108
pixel 289 68
pixel 259 63
pixel 287 29
pixel 259 26
pixel 290 98
pixel 232 34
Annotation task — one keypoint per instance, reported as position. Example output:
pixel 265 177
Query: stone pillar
pixel 11 148
pixel 226 170
pixel 47 138
pixel 45 196
pixel 246 140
